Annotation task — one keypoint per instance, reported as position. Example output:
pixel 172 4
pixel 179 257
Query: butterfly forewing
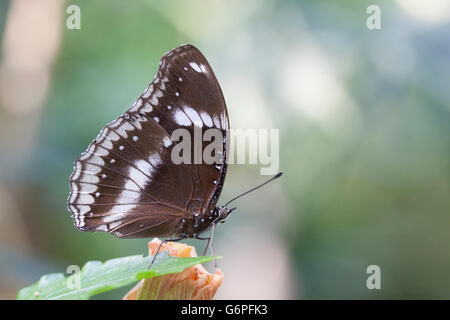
pixel 126 182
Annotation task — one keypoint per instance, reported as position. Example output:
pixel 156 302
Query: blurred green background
pixel 364 137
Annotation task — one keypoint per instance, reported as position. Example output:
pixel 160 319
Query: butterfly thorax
pixel 193 226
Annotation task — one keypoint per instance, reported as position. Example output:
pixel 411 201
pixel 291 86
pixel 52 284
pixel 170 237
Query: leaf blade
pixel 97 277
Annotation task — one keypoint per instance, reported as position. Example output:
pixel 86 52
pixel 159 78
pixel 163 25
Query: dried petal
pixel 194 283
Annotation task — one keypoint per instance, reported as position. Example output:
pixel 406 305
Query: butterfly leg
pixel 209 244
pixel 159 248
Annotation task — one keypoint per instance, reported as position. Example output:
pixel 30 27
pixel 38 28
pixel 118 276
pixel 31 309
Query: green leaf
pixel 97 277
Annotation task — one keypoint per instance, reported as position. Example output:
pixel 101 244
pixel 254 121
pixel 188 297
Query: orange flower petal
pixel 194 283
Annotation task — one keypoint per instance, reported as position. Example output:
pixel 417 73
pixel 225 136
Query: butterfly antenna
pixel 257 187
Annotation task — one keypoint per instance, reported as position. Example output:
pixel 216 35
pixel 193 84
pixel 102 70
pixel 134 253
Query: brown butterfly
pixel 126 183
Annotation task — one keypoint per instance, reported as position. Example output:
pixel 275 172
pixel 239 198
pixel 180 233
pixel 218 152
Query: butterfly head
pixel 223 213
